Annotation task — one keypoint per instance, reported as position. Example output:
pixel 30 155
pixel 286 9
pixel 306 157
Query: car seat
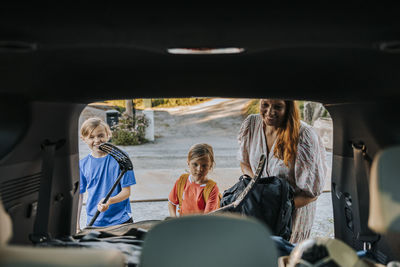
pixel 13 255
pixel 214 240
pixel 384 213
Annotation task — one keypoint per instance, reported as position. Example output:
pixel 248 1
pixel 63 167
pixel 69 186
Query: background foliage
pixel 159 102
pixel 127 132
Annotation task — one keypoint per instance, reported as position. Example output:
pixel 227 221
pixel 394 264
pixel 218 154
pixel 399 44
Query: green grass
pixel 159 102
pixel 174 102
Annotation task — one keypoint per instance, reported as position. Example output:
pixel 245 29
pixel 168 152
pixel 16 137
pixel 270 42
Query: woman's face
pixel 273 111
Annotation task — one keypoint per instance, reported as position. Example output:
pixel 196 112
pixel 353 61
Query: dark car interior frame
pixel 54 62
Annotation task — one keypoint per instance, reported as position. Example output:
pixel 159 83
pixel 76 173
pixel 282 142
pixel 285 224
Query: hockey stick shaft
pixel 108 196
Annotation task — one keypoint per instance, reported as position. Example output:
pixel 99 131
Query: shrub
pixel 252 107
pixel 126 132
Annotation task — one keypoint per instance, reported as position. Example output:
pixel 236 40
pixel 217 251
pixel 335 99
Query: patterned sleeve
pixel 244 140
pixel 310 166
pixel 212 202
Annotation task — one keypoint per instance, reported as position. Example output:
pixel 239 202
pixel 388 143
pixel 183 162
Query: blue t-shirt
pixel 98 175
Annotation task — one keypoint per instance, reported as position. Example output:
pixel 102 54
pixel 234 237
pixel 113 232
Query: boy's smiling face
pixel 95 138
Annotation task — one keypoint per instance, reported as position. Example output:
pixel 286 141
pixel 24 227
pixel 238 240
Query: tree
pixel 129 107
pixel 312 111
pixel 130 110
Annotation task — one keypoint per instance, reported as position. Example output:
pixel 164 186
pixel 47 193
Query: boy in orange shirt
pixel 194 193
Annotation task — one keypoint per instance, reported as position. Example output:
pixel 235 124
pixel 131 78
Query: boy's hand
pixel 103 207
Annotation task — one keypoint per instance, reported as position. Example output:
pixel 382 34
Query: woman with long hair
pixel 294 152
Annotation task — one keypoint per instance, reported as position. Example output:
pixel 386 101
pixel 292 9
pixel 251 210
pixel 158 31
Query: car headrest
pixel 5 226
pixel 209 241
pixel 384 214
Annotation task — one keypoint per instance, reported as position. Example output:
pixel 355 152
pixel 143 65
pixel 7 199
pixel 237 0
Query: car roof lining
pixel 75 75
pixel 326 54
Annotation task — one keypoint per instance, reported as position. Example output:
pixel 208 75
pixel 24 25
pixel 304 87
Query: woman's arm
pixel 246 169
pixel 172 209
pixel 302 200
pixel 310 168
pixel 124 194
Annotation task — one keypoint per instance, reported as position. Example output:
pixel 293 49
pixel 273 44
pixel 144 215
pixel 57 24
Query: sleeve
pixel 244 140
pixel 173 196
pixel 128 179
pixel 212 202
pixel 310 165
pixel 82 181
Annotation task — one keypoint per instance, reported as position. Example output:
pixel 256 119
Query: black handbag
pixel 270 201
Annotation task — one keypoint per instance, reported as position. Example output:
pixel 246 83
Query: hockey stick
pixel 125 165
pixel 245 192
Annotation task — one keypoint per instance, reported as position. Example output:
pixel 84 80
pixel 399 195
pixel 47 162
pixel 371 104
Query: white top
pixel 307 175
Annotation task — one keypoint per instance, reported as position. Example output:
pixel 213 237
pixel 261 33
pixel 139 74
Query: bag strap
pixel 362 165
pixel 180 187
pixel 207 191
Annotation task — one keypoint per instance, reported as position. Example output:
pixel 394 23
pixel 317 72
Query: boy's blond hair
pixel 90 124
pixel 201 150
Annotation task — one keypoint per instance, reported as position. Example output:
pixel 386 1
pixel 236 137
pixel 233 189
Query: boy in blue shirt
pixel 98 172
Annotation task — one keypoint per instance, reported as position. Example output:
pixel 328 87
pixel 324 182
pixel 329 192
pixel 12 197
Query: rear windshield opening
pixel 163 132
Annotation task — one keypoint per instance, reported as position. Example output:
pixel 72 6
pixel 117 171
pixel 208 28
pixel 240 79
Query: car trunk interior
pixel 53 67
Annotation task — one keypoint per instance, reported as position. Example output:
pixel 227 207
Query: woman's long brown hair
pixel 288 135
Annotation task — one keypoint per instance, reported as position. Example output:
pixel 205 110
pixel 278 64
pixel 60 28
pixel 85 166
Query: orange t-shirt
pixel 193 200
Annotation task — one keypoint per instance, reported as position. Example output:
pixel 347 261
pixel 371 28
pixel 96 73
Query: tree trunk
pixel 312 111
pixel 129 107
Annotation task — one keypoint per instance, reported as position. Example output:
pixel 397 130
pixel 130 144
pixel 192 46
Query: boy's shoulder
pixel 85 159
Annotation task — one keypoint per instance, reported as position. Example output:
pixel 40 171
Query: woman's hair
pixel 90 124
pixel 201 150
pixel 288 135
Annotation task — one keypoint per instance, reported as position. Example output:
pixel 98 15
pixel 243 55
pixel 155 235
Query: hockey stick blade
pixel 120 156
